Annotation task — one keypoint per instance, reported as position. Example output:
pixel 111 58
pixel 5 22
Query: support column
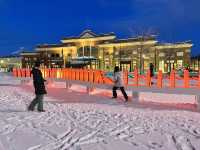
pixel 90 49
pixel 83 50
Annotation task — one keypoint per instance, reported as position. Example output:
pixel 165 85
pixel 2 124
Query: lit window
pixel 180 63
pixel 180 53
pixel 161 54
pixel 134 52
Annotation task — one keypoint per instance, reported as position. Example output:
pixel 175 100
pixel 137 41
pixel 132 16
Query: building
pixel 104 51
pixel 195 63
pixel 9 62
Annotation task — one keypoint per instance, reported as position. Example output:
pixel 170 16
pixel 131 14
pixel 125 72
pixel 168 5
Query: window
pixel 179 53
pixel 57 55
pixel 180 63
pixel 161 54
pixel 161 65
pixel 117 53
pixel 134 52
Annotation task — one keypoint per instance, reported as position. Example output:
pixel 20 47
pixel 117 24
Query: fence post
pixel 28 73
pixel 199 80
pixel 86 72
pixel 186 79
pixel 125 76
pixel 81 75
pixel 136 77
pixel 172 79
pixel 77 74
pixel 160 79
pixel 91 76
pixel 148 79
pixel 73 74
pixel 14 72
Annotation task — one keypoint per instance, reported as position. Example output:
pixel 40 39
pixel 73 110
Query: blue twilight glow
pixel 26 23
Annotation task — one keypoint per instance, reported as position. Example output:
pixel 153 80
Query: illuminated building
pixel 9 62
pixel 104 51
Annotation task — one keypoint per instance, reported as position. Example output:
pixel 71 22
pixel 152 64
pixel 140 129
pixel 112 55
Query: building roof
pixel 135 39
pixel 55 45
pixel 89 34
pixel 10 56
pixel 28 53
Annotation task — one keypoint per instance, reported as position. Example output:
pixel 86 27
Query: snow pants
pixel 38 100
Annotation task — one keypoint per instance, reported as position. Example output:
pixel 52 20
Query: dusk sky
pixel 26 23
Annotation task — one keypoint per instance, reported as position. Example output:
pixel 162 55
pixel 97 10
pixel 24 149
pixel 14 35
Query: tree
pixel 143 33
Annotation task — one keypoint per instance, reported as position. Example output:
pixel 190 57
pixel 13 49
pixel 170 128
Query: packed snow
pixel 77 121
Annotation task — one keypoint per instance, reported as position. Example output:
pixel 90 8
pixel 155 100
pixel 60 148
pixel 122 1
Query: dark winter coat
pixel 38 82
pixel 151 70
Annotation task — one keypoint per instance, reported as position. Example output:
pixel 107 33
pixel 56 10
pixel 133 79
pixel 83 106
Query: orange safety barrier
pixel 160 79
pixel 91 76
pixel 23 72
pixel 86 75
pixel 70 74
pixel 199 80
pixel 172 79
pixel 98 77
pixel 46 75
pixel 14 71
pixel 81 75
pixel 136 77
pixel 64 74
pixel 53 73
pixel 19 74
pixel 77 74
pixel 186 79
pixel 148 79
pixel 28 72
pixel 73 74
pixel 125 76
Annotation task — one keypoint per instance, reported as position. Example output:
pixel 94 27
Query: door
pixel 125 65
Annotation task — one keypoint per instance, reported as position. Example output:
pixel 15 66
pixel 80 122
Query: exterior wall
pixel 7 63
pixel 195 63
pixel 127 57
pixel 106 52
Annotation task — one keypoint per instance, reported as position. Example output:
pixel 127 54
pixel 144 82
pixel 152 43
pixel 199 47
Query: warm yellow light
pixel 2 61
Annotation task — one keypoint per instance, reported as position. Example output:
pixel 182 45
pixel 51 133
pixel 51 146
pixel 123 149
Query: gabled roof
pixel 28 53
pixel 55 45
pixel 89 34
pixel 130 40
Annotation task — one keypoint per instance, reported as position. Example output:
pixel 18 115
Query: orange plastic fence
pixel 136 77
pixel 172 79
pixel 98 76
pixel 148 79
pixel 186 79
pixel 199 80
pixel 160 79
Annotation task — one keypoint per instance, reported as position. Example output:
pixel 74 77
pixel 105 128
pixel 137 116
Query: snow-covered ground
pixel 77 121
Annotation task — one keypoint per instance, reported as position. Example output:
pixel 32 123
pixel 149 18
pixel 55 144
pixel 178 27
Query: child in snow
pixel 118 83
pixel 38 82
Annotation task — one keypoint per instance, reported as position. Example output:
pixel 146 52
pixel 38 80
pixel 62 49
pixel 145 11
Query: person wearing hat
pixel 40 91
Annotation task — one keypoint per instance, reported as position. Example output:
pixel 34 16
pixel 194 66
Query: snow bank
pixel 88 126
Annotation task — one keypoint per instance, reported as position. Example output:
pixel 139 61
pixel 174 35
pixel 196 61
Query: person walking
pixel 118 83
pixel 151 68
pixel 38 82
